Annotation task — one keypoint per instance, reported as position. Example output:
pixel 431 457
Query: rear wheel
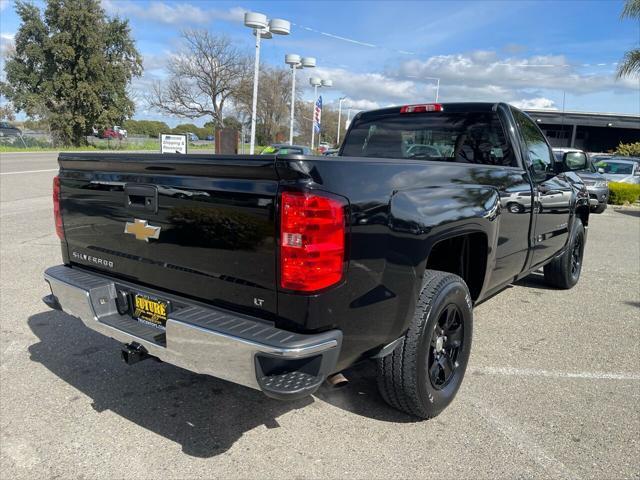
pixel 600 208
pixel 564 271
pixel 422 375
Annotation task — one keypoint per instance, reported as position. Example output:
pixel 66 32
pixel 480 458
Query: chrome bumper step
pixel 200 338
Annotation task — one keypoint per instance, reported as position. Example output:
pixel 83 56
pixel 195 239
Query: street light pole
pixel 293 101
pixel 261 29
pixel 437 86
pixel 340 100
pixel 296 62
pixel 254 102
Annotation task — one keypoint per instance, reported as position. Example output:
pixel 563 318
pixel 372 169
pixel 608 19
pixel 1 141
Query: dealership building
pixel 593 132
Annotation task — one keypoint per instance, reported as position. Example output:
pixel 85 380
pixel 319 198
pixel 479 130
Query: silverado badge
pixel 142 230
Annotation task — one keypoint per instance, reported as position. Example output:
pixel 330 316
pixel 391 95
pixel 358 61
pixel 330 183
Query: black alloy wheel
pixel 564 270
pixel 576 257
pixel 446 342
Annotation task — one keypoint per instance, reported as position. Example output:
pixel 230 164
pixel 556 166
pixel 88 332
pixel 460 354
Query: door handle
pixel 141 198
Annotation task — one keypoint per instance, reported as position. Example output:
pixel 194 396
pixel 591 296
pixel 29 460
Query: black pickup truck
pixel 278 271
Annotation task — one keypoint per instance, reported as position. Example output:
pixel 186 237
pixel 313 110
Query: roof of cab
pixel 446 107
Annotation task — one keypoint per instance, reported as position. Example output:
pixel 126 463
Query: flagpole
pixel 313 116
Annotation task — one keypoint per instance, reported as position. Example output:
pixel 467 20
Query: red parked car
pixel 111 133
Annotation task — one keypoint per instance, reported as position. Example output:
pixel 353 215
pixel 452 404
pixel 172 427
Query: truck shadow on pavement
pixel 203 414
pixel 534 280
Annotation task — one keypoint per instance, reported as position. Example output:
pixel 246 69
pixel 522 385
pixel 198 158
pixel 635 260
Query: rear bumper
pixel 201 338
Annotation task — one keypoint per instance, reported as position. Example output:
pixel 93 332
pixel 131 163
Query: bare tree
pixel 274 103
pixel 328 124
pixel 205 75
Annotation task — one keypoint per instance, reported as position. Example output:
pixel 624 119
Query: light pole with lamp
pixel 437 85
pixel 296 62
pixel 316 82
pixel 262 28
pixel 340 100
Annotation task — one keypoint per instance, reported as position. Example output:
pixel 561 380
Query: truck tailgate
pixel 198 225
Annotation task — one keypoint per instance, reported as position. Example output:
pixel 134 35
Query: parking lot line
pixel 522 440
pixel 30 171
pixel 534 372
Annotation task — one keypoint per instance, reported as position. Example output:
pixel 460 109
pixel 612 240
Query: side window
pixel 537 148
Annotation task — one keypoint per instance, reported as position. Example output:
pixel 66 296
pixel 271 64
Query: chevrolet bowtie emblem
pixel 142 230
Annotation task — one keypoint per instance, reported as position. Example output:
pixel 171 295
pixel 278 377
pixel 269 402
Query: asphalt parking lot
pixel 553 388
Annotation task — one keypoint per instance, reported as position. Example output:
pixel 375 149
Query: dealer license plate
pixel 151 311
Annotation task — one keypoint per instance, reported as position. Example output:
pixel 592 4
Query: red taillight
pixel 312 241
pixel 427 107
pixel 56 208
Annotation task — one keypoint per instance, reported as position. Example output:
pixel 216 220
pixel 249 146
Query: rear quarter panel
pixel 398 210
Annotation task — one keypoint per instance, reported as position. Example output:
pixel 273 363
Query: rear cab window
pixel 464 137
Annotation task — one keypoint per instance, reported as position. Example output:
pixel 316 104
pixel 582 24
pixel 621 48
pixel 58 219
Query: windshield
pixel 281 150
pixel 467 137
pixel 616 168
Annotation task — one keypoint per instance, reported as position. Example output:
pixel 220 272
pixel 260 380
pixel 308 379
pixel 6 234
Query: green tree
pixel 191 128
pixel 72 64
pixel 628 149
pixel 630 64
pixel 152 128
pixel 231 122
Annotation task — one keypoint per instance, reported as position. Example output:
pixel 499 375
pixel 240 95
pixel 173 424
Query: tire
pixel 600 208
pixel 515 207
pixel 413 378
pixel 564 271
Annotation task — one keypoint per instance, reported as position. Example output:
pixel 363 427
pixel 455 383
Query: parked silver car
pixel 596 183
pixel 7 130
pixel 620 169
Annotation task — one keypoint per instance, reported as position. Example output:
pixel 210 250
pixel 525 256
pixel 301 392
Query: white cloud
pixel 362 104
pixel 536 72
pixel 171 13
pixel 6 43
pixel 153 61
pixel 477 76
pixel 3 4
pixel 366 88
pixel 539 103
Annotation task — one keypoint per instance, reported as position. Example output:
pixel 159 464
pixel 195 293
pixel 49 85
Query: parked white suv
pixel 119 130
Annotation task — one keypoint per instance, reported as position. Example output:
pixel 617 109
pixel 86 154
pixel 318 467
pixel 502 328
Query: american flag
pixel 317 114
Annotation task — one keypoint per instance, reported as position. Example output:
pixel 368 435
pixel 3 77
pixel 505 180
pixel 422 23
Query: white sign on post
pixel 170 143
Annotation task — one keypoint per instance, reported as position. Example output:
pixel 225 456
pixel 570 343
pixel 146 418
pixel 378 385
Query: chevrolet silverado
pixel 279 271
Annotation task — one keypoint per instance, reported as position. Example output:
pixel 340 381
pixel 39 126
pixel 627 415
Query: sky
pixel 538 54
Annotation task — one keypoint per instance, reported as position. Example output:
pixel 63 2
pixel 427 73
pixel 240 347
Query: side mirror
pixel 574 161
pixel 600 170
